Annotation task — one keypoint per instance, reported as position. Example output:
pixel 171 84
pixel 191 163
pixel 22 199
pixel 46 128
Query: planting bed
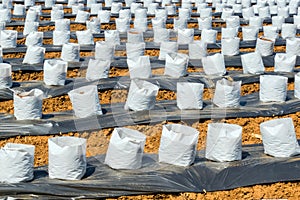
pixel 97 140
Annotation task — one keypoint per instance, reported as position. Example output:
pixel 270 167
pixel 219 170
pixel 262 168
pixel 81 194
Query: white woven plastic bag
pixel 28 105
pixel 19 10
pixel 284 62
pixel 134 50
pixel 30 27
pixel 161 35
pixel 229 32
pixel 167 47
pixel 139 67
pixel 185 36
pixel 189 95
pixel 141 24
pixel 297 85
pixel 158 23
pixel 5 75
pixel 223 142
pixel 250 33
pixel 34 39
pixel 95 8
pixel 277 21
pixel 252 63
pixel 178 145
pixel 264 46
pixel 176 65
pixel 214 65
pixel 67 158
pixel 135 36
pixel 104 50
pixel 273 88
pixel 288 31
pixel 197 50
pixel 94 25
pixel 270 32
pixel 85 37
pixel 5 15
pixel 97 69
pixel 141 95
pixel 255 22
pixel 56 14
pixel 8 39
pixel 209 36
pixel 230 46
pixel 279 137
pixel 55 72
pixel 122 24
pixel 204 23
pixel 70 52
pixel 232 22
pixel 61 37
pixel 125 149
pixel 293 47
pixel 227 93
pixel 85 101
pixel 104 16
pixel 34 55
pixel 82 16
pixel 112 37
pixel 179 23
pixel 16 163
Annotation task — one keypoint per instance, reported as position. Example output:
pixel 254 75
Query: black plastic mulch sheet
pixel 102 181
pixel 115 116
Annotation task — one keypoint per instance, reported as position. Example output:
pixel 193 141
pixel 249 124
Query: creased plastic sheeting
pixel 154 177
pixel 115 116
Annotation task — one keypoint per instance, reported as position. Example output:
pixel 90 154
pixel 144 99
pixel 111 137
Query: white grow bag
pixel 176 65
pixel 55 72
pixel 161 35
pixel 252 63
pixel 125 13
pixel 256 21
pixel 167 48
pixel 94 25
pixel 273 88
pixel 104 16
pixel 67 158
pixel 197 50
pixel 209 36
pixel 264 46
pixel 141 24
pixel 95 8
pixel 5 76
pixel 180 23
pixel 34 39
pixel 19 10
pixel 85 37
pixel 57 14
pixel 8 39
pixel 32 16
pixel 28 105
pixel 279 137
pixel 293 47
pixel 82 16
pixel 85 101
pixel 141 95
pixel 250 33
pixel 185 36
pixel 61 37
pixel 288 31
pixel 16 163
pixel 140 67
pixel 204 23
pixel 175 136
pixel 297 85
pixel 223 142
pixel 70 52
pixel 5 15
pixel 233 22
pixel 189 95
pixel 227 93
pixel 134 50
pixel 158 23
pixel 112 37
pixel 230 46
pixel 104 50
pixel 97 69
pixel 34 55
pixel 229 32
pixel 284 62
pixel 270 32
pixel 135 36
pixel 122 24
pixel 214 65
pixel 277 21
pixel 125 149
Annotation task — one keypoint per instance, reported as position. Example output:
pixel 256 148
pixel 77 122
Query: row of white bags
pixel 67 160
pixel 67 155
pixel 142 96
